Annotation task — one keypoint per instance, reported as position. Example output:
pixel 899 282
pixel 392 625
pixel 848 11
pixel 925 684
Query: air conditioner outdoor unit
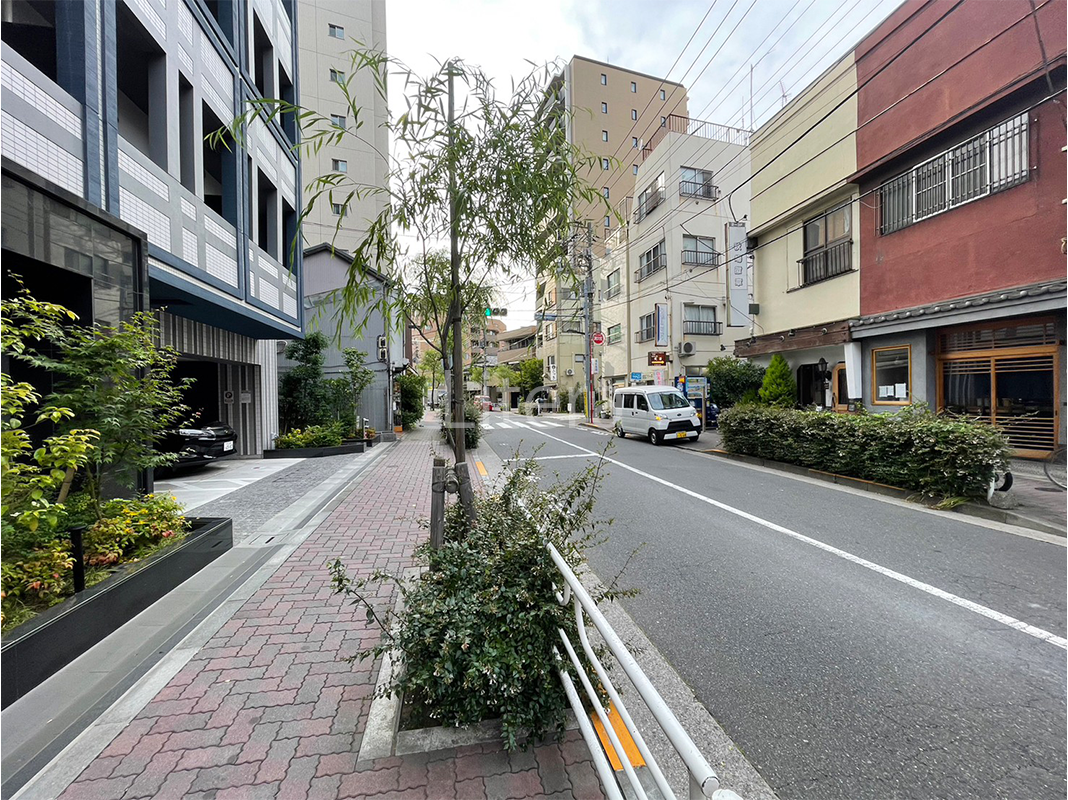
pixel 569 372
pixel 687 348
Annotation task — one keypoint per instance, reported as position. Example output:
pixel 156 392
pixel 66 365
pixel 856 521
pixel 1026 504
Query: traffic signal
pixel 496 312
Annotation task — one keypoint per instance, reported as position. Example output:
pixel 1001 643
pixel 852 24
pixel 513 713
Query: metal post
pixel 467 492
pixel 589 322
pixel 455 309
pixel 78 553
pixel 437 504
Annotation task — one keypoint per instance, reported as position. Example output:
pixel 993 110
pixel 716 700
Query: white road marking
pixel 486 427
pixel 551 458
pixel 504 425
pixel 969 605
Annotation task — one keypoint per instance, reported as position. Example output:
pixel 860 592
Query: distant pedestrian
pixel 537 407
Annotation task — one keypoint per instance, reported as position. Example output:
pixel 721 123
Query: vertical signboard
pixel 661 322
pixel 737 275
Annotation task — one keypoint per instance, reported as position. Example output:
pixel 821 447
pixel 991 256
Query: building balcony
pixel 828 262
pixel 701 258
pixel 652 266
pixel 644 336
pixel 704 191
pixel 646 207
pixel 696 127
pixel 695 327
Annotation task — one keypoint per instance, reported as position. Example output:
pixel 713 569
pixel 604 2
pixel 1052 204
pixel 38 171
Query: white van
pixel 659 412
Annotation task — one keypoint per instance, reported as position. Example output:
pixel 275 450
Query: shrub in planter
pixel 312 436
pixel 473 428
pixel 477 632
pixel 412 390
pixel 936 455
pixel 778 388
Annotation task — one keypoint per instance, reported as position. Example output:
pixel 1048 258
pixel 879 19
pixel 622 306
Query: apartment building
pixel 113 202
pixel 806 256
pixel 611 113
pixel 961 167
pixel 682 306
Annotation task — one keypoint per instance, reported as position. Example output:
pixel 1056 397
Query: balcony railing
pixel 612 291
pixel 701 258
pixel 696 127
pixel 698 189
pixel 644 335
pixel 654 264
pixel 646 206
pixel 835 259
pixel 698 327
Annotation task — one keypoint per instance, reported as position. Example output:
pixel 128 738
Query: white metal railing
pixel 703 780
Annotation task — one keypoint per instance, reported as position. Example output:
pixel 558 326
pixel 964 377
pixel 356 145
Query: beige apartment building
pixel 611 112
pixel 806 279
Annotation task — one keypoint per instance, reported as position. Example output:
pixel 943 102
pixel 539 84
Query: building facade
pixel 962 279
pixel 611 112
pixel 106 106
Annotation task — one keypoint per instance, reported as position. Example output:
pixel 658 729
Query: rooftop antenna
pixel 751 126
pixel 785 98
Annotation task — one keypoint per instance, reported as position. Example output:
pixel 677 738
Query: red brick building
pixel 961 171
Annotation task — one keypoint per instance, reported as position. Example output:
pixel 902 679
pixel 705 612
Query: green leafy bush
pixel 303 393
pixel 731 379
pixel 915 449
pixel 473 426
pixel 128 525
pixel 412 390
pixel 478 629
pixel 779 388
pixel 563 397
pixel 313 436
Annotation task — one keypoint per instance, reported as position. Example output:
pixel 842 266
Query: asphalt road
pixel 851 646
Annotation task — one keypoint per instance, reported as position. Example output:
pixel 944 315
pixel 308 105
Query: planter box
pixel 316 452
pixel 373 440
pixel 51 640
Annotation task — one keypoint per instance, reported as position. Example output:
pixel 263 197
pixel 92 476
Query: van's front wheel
pixel 656 437
pixel 619 431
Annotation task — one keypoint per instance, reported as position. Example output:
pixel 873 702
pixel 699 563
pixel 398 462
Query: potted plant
pixel 371 436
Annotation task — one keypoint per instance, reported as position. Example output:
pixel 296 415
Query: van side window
pixel 642 405
pixel 628 401
pixel 619 400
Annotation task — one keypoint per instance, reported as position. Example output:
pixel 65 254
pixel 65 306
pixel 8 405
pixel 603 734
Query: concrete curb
pixel 970 508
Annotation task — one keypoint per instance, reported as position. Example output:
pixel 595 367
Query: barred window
pixel 995 160
pixel 615 334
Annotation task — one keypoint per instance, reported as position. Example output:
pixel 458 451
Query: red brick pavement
pixel 269 709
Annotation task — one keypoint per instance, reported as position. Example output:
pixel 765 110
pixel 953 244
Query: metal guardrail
pixel 704 783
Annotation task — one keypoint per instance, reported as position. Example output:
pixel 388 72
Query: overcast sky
pixel 787 41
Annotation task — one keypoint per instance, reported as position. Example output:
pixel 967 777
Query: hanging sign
pixel 737 275
pixel 661 323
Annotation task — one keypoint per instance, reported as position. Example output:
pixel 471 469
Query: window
pixel 550 330
pixel 605 164
pixel 663 122
pixel 634 168
pixel 891 375
pixel 619 400
pixel 640 402
pixel 828 246
pixel 650 198
pixel 604 79
pixel 645 328
pixel 633 87
pixel 615 334
pixel 699 251
pixel 335 31
pixel 663 95
pixel 697 183
pixel 628 401
pixel 604 136
pixel 339 165
pixel 262 58
pixel 634 142
pixel 608 221
pixel 994 160
pixel 604 108
pixel 700 320
pixel 337 76
pixel 338 209
pixel 612 284
pixel 604 191
pixel 634 114
pixel 144 120
pixel 338 120
pixel 652 260
pixel 667 400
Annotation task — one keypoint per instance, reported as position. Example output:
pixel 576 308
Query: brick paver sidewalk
pixel 268 708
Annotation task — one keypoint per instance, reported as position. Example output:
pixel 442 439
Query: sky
pixel 707 45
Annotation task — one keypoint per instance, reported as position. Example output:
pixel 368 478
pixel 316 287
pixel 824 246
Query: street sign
pixel 635 376
pixel 541 316
pixel 228 396
pixel 597 338
pixel 658 359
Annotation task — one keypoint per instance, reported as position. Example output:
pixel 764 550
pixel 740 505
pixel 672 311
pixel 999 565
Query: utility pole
pixel 455 310
pixel 589 322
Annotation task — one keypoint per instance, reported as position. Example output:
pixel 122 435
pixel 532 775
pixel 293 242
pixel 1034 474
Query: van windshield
pixel 668 400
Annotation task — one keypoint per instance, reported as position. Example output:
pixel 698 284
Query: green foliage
pixel 303 396
pixel 778 388
pixel 330 435
pixel 580 402
pixel 478 629
pixel 732 380
pixel 531 375
pixel 412 391
pixel 472 424
pixel 914 449
pixel 128 525
pixel 563 398
pixel 360 377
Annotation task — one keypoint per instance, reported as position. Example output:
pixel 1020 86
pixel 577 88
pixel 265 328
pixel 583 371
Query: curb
pixel 970 508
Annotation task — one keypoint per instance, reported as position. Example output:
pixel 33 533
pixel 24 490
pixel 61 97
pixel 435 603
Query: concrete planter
pixel 54 638
pixel 316 452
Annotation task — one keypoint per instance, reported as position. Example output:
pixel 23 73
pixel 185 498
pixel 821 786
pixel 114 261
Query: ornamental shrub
pixel 312 436
pixel 936 455
pixel 412 390
pixel 476 637
pixel 778 388
pixel 473 427
pixel 731 380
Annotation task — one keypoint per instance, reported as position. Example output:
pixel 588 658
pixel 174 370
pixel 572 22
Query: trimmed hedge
pixel 912 449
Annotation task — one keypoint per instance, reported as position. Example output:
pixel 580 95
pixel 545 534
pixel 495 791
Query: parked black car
pixel 199 445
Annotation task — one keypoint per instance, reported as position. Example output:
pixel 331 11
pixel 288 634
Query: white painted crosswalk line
pixel 553 424
pixel 504 425
pixel 486 427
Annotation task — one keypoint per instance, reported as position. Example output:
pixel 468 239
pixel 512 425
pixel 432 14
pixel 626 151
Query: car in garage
pixel 199 445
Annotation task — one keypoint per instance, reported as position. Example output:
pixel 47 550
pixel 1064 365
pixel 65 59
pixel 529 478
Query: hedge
pixel 912 449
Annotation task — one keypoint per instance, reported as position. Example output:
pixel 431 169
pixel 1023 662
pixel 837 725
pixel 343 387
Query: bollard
pixel 78 552
pixel 437 504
